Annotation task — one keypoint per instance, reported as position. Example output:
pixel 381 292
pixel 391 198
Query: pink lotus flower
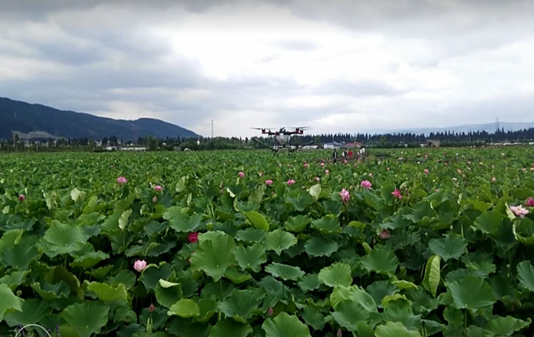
pixel 345 161
pixel 366 184
pixel 370 174
pixel 22 197
pixel 396 194
pixel 326 172
pixel 270 312
pixel 241 174
pixel 151 308
pixel 290 182
pixel 306 165
pixel 459 171
pixel 122 180
pixel 268 182
pixel 345 195
pixel 384 234
pixel 530 202
pixel 426 171
pixel 158 188
pixel 519 211
pixel 532 168
pixel 140 265
pixel 322 164
pixel 339 333
pixel 317 179
pixel 155 199
pixel 493 179
pixel 192 237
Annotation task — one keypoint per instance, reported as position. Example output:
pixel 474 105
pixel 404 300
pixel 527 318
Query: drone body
pixel 282 137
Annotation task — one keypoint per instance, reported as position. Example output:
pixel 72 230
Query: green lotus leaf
pixel 349 313
pixel 62 239
pixel 240 305
pixel 20 256
pixel 315 191
pixel 10 238
pixel 297 223
pixel 309 282
pixel 184 308
pixel 284 271
pixel 506 326
pixel 214 256
pixel 285 325
pixel 250 258
pixel 272 286
pixel 381 260
pixel 432 276
pixel 250 235
pixel 299 199
pixel 395 329
pixel 489 222
pixel 380 289
pixel 313 318
pixel 32 311
pixel 151 276
pixel 128 278
pixel 471 293
pixel 402 284
pixel 335 275
pixel 125 315
pixel 185 224
pixel 14 279
pixel 89 260
pixel 107 293
pixel 123 220
pixel 450 247
pixel 320 246
pixel 523 230
pixel 328 224
pixel 257 220
pixel 479 262
pixel 208 308
pixel 279 241
pixel 50 292
pixel 257 195
pixel 8 301
pixel 228 327
pixel 168 293
pixel 86 318
pixel 525 274
pixel 237 276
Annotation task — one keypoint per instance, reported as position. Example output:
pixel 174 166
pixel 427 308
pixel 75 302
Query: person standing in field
pixel 350 154
pixel 334 155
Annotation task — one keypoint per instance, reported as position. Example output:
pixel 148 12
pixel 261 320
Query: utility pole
pixel 212 128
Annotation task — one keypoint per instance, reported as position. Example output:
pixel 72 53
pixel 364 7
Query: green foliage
pixel 269 261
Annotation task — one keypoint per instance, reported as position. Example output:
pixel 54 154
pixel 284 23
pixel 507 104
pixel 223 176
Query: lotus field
pixel 405 243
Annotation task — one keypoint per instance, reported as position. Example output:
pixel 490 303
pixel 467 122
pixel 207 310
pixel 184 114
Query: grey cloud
pixel 302 45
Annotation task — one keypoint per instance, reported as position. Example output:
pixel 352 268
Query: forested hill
pixel 24 117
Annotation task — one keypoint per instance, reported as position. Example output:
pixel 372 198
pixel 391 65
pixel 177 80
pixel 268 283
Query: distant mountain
pixel 16 116
pixel 489 127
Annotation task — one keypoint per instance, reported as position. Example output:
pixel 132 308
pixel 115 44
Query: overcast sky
pixel 338 66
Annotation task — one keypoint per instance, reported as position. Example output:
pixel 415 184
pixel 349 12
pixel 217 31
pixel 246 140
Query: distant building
pixel 433 143
pixel 332 145
pixel 133 148
pixel 310 147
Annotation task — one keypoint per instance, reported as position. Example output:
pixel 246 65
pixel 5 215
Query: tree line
pixel 406 139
